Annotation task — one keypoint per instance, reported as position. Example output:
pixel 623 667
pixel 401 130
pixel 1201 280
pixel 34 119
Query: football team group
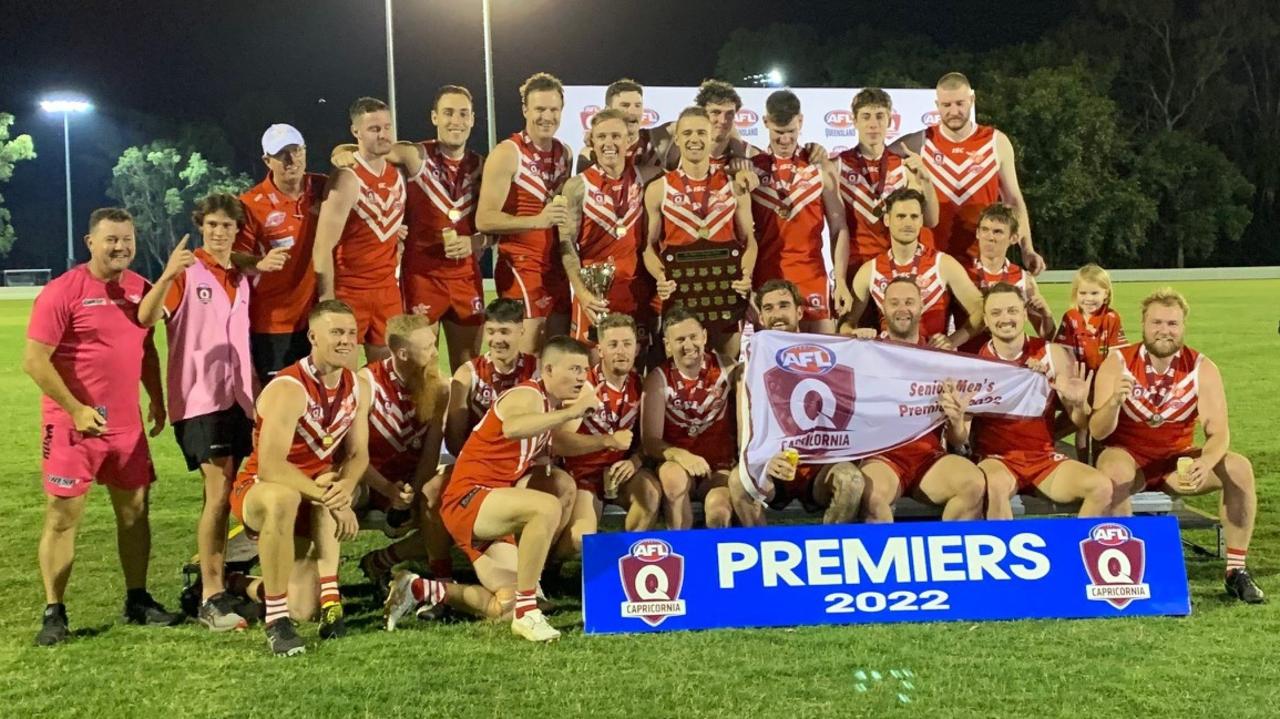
pixel 568 394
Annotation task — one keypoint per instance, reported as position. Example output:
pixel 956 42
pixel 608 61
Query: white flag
pixel 835 399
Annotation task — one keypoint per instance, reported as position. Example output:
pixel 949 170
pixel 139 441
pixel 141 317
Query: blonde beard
pixel 428 401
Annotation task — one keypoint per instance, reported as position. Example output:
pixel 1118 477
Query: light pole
pixel 773 78
pixel 66 107
pixel 488 73
pixel 391 66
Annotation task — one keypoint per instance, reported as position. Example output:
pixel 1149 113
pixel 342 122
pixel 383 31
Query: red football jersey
pixel 864 183
pixel 611 224
pixel 442 194
pixel 699 411
pixel 323 425
pixel 396 432
pixel 487 383
pixel 619 410
pixel 691 208
pixel 996 434
pixel 966 178
pixel 489 459
pixel 1162 409
pixel 984 280
pixel 539 176
pixel 367 254
pixel 789 217
pixel 1092 337
pixel 935 297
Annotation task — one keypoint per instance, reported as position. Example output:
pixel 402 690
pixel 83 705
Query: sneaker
pixel 332 624
pixel 534 627
pixel 1240 585
pixel 218 614
pixel 379 580
pixel 427 612
pixel 400 599
pixel 148 612
pixel 54 628
pixel 283 640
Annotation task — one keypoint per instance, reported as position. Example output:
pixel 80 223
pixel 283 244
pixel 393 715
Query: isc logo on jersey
pixel 1115 561
pixel 806 359
pixel 839 124
pixel 652 575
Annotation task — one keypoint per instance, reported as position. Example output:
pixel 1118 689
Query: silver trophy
pixel 599 280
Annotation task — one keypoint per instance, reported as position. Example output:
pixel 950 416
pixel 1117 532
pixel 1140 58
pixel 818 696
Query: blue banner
pixel 863 573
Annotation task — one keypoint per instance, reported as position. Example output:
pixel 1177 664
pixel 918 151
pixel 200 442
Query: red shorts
pixel 815 289
pixel 373 307
pixel 244 482
pixel 458 511
pixel 911 461
pixel 1029 467
pixel 543 290
pixel 72 461
pixel 460 298
pixel 1157 463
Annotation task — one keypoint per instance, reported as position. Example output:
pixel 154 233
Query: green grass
pixel 1220 661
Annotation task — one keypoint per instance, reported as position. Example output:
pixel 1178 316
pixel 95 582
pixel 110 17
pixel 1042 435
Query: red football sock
pixel 526 601
pixel 425 590
pixel 329 591
pixel 277 607
pixel 1235 558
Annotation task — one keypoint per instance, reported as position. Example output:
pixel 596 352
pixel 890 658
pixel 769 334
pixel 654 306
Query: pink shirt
pixel 94 327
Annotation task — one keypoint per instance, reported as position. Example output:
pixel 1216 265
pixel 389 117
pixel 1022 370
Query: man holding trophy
pixel 600 239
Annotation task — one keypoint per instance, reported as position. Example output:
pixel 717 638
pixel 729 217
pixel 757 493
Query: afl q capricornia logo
pixel 1115 561
pixel 652 575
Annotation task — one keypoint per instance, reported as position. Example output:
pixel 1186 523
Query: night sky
pixel 242 65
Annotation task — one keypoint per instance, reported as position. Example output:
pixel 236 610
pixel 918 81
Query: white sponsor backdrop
pixel 827 119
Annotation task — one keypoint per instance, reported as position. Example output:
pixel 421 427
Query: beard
pixel 428 399
pixel 1155 349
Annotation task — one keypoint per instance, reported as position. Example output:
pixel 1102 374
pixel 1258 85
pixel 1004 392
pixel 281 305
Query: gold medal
pixel 784 212
pixel 704 233
pixel 454 214
pixel 327 441
pixel 619 230
pixel 1156 420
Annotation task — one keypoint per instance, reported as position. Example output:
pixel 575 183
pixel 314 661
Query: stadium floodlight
pixel 775 77
pixel 772 78
pixel 66 106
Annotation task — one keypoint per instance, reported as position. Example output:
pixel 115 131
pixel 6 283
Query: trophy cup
pixel 599 280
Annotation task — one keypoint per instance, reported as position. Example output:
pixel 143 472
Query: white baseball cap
pixel 279 136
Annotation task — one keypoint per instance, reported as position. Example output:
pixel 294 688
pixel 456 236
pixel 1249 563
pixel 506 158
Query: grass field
pixel 1220 661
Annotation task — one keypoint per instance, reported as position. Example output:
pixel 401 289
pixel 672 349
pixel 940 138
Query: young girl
pixel 1090 328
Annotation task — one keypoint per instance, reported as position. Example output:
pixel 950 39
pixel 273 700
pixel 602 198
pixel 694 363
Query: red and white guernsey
pixel 997 434
pixel 699 411
pixel 1091 337
pixel 698 209
pixel 325 422
pixel 935 297
pixel 642 150
pixel 611 224
pixel 539 176
pixel 864 183
pixel 789 217
pixel 487 383
pixel 395 431
pixel 442 194
pixel 1162 409
pixel 490 459
pixel 619 410
pixel 966 178
pixel 367 253
pixel 984 280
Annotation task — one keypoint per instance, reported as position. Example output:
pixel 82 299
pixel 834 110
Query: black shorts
pixel 273 352
pixel 225 433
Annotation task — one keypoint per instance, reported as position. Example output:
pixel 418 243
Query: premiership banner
pixel 827 118
pixel 835 399
pixel 861 574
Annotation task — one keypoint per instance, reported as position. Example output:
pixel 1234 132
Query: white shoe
pixel 534 627
pixel 400 601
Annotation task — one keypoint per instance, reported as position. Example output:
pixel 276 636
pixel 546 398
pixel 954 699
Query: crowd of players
pixel 578 399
